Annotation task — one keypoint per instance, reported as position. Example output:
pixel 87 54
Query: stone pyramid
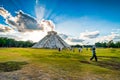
pixel 51 40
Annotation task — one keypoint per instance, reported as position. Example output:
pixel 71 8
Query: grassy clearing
pixel 68 65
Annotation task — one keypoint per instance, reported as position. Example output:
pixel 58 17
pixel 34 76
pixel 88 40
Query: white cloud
pixel 71 39
pixel 107 38
pixel 12 34
pixel 63 36
pixel 22 22
pixel 85 38
pixel 89 35
pixel 75 40
pixel 4 13
pixel 5 28
pixel 34 36
pixel 47 25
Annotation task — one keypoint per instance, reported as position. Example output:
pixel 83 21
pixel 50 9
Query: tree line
pixel 7 42
pixel 109 44
pixel 81 46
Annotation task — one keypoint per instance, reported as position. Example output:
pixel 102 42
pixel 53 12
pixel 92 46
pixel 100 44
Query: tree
pixel 118 44
pixel 7 42
pixel 109 44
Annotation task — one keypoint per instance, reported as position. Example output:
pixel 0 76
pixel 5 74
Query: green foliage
pixel 109 44
pixel 6 42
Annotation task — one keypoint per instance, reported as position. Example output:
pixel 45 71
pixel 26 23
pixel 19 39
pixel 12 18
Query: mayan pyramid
pixel 51 40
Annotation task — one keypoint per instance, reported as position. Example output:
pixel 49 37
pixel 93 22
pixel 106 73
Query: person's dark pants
pixel 94 56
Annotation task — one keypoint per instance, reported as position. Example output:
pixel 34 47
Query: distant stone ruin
pixel 51 40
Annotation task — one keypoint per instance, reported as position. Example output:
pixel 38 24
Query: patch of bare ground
pixel 29 72
pixel 35 72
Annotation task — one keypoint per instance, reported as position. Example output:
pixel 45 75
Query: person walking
pixel 93 53
pixel 59 49
pixel 80 50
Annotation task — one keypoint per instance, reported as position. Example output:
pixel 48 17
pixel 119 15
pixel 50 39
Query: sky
pixel 76 21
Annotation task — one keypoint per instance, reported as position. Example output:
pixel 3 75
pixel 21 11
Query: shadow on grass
pixel 108 57
pixel 86 62
pixel 105 64
pixel 109 65
pixel 11 66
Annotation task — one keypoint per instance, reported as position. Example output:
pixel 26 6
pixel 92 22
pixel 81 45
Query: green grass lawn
pixel 67 65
